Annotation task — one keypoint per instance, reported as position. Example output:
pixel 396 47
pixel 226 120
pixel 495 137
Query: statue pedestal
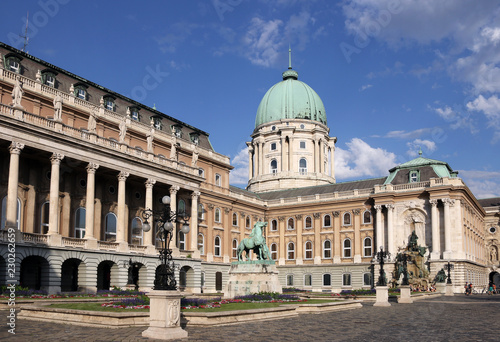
pixel 405 296
pixel 382 296
pixel 449 290
pixel 247 277
pixel 440 287
pixel 165 316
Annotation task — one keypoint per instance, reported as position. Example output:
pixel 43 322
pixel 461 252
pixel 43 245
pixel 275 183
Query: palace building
pixel 80 165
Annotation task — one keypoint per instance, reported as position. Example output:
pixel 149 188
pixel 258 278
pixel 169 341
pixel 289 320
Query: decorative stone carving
pixel 356 211
pixel 281 218
pixel 16 147
pixel 298 217
pixel 151 182
pixel 38 76
pixel 150 137
pixel 336 213
pixel 194 159
pixel 433 202
pixel 227 210
pixel 17 94
pixel 92 168
pixel 56 158
pixel 317 215
pixel 378 208
pixel 92 124
pixel 123 128
pixel 122 176
pixel 58 107
pixel 72 90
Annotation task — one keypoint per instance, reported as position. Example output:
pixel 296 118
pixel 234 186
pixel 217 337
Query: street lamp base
pixel 165 316
pixel 382 296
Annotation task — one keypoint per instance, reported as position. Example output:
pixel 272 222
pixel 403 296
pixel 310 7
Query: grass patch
pixel 224 307
pixel 92 307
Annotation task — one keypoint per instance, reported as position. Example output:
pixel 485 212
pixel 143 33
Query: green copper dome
pixel 290 99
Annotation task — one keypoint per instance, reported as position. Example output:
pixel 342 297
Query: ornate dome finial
pixel 290 73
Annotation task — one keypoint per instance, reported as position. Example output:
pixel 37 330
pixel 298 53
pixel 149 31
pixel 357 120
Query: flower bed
pixel 23 292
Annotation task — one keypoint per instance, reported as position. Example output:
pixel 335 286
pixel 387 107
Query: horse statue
pixel 255 242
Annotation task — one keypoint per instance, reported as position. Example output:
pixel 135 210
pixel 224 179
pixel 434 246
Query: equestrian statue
pixel 256 242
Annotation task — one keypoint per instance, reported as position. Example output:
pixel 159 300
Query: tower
pixel 290 146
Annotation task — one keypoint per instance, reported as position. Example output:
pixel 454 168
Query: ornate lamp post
pixel 165 273
pixel 449 267
pixel 165 300
pixel 405 281
pixel 380 257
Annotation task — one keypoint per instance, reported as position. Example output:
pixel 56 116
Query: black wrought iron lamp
pixel 381 256
pixel 165 223
pixel 448 267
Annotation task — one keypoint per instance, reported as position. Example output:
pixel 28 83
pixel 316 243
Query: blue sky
pixel 394 75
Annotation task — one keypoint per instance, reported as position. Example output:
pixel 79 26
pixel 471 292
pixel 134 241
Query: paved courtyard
pixel 457 318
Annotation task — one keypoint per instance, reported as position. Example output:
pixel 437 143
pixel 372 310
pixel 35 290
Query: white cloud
pixel 263 41
pixel 239 175
pixel 366 86
pixel 491 109
pixel 415 146
pixel 457 117
pixel 407 135
pixel 483 184
pixel 362 160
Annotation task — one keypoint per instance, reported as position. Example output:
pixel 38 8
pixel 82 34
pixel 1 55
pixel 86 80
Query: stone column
pixel 149 236
pixel 332 159
pixel 284 165
pixel 300 243
pixel 193 231
pixel 390 230
pixel 89 202
pixel 447 202
pixel 318 248
pixel 291 166
pixel 173 207
pixel 436 234
pixel 55 160
pixel 250 161
pixel 257 161
pixel 316 156
pixel 321 144
pixel 336 243
pixel 11 210
pixel 262 167
pixel 121 223
pixel 356 243
pixel 282 247
pixel 379 230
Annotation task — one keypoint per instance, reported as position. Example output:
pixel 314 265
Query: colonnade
pixel 54 206
pixel 387 241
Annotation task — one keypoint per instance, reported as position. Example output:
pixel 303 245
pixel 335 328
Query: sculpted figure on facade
pixel 58 107
pixel 194 160
pixel 92 121
pixel 173 150
pixel 150 137
pixel 123 130
pixel 17 93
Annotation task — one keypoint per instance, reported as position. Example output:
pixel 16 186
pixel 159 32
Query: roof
pixel 442 169
pixel 313 190
pixel 489 202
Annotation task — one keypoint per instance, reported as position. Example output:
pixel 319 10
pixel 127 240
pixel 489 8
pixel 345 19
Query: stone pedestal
pixel 440 287
pixel 405 296
pixel 382 296
pixel 449 290
pixel 247 277
pixel 165 316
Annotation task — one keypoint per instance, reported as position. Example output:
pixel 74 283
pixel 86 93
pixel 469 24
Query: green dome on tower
pixel 290 99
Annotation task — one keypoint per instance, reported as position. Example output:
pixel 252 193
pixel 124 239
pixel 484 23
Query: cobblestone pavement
pixel 457 318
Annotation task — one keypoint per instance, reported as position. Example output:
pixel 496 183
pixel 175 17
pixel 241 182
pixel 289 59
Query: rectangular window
pixel 273 146
pixel 308 280
pixel 414 176
pixel 302 144
pixel 289 280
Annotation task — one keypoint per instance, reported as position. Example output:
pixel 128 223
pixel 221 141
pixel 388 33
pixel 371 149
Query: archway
pixel 186 278
pixel 218 281
pixel 495 279
pixel 69 275
pixel 34 272
pixel 104 276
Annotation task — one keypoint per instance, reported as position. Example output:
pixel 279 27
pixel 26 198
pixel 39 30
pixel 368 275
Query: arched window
pixel 347 248
pixel 327 221
pixel 248 222
pixel 49 78
pixel 4 211
pixel 136 231
pixel 201 172
pixel 303 166
pixel 274 166
pixel 290 251
pixel 235 219
pixel 367 279
pixel 289 280
pixel 274 225
pixel 44 218
pixel 201 243
pixel 274 251
pixel 347 219
pixel 218 179
pixel 327 279
pixel 367 247
pixel 181 241
pixel 235 249
pixel 181 206
pixel 110 227
pixel 217 217
pixel 367 217
pixel 327 249
pixel 217 244
pixel 201 212
pixel 308 224
pixel 308 249
pixel 290 224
